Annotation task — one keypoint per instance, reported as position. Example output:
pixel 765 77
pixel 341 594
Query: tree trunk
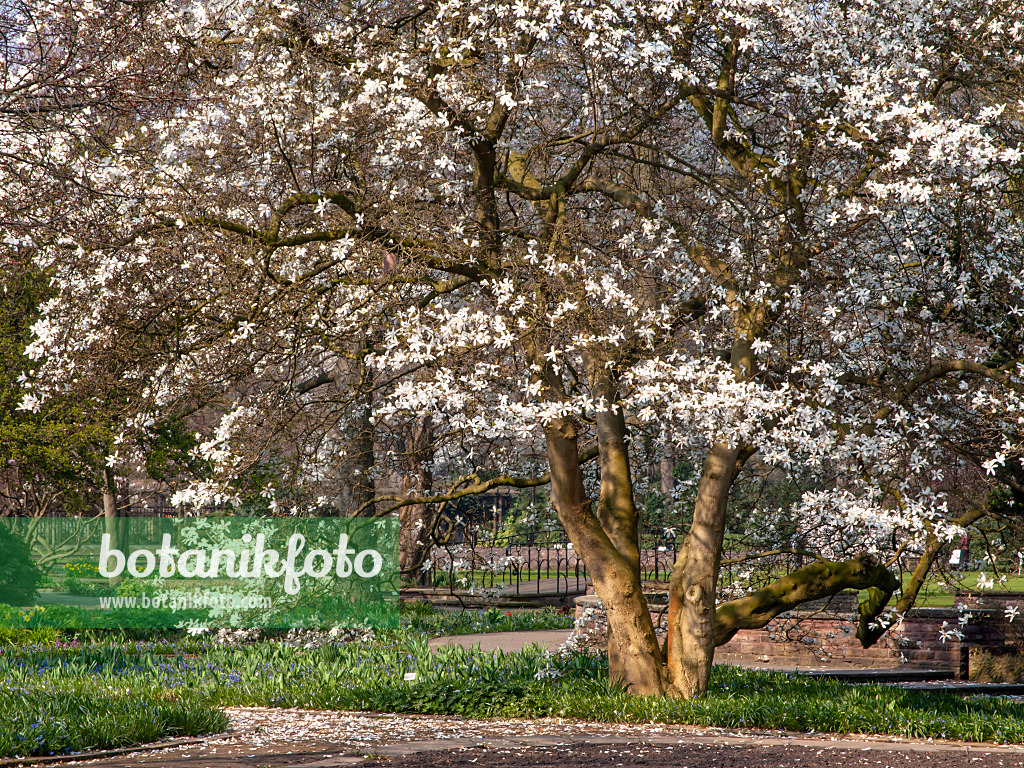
pixel 668 481
pixel 416 520
pixel 614 576
pixel 690 645
pixel 616 507
pixel 357 486
pixel 111 524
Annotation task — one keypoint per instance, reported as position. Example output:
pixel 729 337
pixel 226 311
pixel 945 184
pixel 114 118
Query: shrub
pixel 19 575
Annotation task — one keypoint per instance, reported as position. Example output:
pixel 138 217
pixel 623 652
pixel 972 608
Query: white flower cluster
pixel 303 230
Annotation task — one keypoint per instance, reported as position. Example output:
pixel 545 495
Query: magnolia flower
pixel 949 633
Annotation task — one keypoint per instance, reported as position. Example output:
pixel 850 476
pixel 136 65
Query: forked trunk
pixel 639 660
pixel 690 646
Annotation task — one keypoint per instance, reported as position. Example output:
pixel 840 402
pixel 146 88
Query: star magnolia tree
pixel 781 235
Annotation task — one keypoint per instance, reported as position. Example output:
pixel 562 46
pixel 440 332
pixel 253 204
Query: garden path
pixel 548 639
pixel 282 738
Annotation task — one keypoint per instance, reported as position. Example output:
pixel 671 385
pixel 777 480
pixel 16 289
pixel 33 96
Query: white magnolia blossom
pixel 263 195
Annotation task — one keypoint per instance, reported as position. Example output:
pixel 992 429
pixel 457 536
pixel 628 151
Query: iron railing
pixel 534 562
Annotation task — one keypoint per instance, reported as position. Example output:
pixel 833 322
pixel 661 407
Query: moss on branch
pixel 812 582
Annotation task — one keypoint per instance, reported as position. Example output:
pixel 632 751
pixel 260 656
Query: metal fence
pixel 535 562
pixel 540 562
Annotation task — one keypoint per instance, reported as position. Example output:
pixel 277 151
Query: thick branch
pixel 937 371
pixel 324 377
pixel 811 582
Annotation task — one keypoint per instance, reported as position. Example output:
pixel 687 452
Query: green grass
pixel 433 622
pixel 64 691
pixel 936 591
pixel 113 691
pixel 760 699
pixel 934 595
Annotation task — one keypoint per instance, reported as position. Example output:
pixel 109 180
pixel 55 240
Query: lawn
pixel 936 592
pixel 433 622
pixel 483 579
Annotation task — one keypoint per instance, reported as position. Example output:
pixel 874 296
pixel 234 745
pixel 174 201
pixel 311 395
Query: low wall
pixel 824 636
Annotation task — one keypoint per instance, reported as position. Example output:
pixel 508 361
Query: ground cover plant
pixel 19 575
pixel 64 697
pixel 79 713
pixel 100 691
pixel 420 618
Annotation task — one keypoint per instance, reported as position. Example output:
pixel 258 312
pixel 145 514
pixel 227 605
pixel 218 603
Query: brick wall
pixel 816 638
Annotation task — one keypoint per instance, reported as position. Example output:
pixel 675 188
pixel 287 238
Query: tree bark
pixel 416 520
pixel 357 486
pixel 814 581
pixel 357 489
pixel 614 576
pixel 690 645
pixel 111 524
pixel 869 630
pixel 668 481
pixel 616 507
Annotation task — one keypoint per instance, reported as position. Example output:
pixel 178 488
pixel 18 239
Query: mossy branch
pixel 812 582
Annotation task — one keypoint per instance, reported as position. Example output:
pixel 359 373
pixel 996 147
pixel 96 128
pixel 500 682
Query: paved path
pixel 288 738
pixel 548 587
pixel 508 642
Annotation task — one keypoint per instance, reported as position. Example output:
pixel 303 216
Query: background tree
pixel 51 459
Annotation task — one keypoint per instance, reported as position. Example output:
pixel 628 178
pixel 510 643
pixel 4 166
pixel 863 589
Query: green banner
pixel 198 572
